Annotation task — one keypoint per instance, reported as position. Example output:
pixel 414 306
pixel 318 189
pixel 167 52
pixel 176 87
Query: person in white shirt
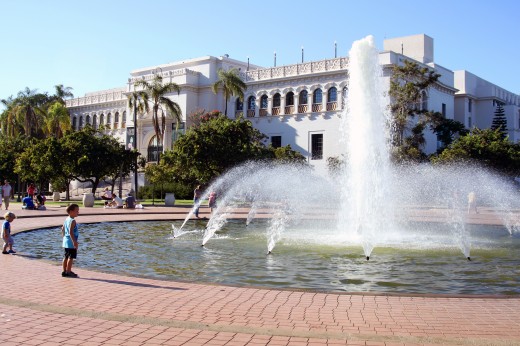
pixel 6 192
pixel 117 202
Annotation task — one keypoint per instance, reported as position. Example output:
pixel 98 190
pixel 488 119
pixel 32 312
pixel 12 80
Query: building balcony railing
pixel 263 112
pixel 332 106
pixel 251 113
pixel 316 107
pixel 303 108
pixel 275 111
pixel 289 110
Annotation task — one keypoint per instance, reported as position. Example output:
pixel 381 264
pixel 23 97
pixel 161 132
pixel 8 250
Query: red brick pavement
pixel 39 307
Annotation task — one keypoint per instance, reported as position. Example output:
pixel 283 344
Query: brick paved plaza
pixel 39 307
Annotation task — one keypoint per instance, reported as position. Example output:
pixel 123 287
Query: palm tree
pixel 138 101
pixel 62 93
pixel 231 83
pixel 157 91
pixel 27 108
pixel 57 121
pixel 8 121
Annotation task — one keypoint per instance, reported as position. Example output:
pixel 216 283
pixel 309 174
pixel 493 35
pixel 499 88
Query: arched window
pixel 289 103
pixel 424 101
pixel 239 107
pixel 154 150
pixel 80 122
pixel 251 106
pixel 302 102
pixel 277 102
pixel 303 97
pixel 109 120
pixel 332 98
pixel 123 121
pixel 263 102
pixel 94 121
pixel 344 95
pixel 263 105
pixel 87 119
pixel 317 98
pixel 74 121
pixel 101 120
pixel 116 120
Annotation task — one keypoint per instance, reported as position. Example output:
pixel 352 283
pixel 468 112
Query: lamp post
pixel 274 58
pixel 302 54
pixel 335 49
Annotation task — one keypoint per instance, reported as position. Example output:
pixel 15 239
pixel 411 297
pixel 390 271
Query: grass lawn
pixel 100 203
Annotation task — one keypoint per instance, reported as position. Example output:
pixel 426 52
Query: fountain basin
pixel 422 259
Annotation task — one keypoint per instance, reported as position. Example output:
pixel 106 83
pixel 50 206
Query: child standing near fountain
pixel 212 201
pixel 70 234
pixel 6 233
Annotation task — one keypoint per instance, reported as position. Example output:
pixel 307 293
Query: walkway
pixel 39 307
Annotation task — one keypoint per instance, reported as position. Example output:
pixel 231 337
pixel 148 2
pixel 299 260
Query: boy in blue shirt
pixel 70 234
pixel 6 233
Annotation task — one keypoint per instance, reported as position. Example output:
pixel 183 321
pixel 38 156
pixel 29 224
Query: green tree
pixel 231 84
pixel 486 147
pixel 288 155
pixel 157 91
pixel 92 156
pixel 12 148
pixel 447 130
pixel 61 93
pixel 500 120
pixel 28 110
pixel 57 120
pixel 208 150
pixel 408 87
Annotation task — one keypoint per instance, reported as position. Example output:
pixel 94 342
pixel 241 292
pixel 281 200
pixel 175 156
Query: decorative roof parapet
pixel 98 98
pixel 335 64
pixel 165 74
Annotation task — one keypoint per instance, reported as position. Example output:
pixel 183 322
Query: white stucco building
pixel 296 104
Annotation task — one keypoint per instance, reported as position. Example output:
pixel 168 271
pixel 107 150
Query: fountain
pixel 370 201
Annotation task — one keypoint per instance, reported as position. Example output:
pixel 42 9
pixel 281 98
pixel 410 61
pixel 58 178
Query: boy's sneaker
pixel 72 275
pixel 11 251
pixel 64 274
pixel 5 252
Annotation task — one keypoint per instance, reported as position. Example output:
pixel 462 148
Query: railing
pixel 331 106
pixel 289 110
pixel 316 107
pixel 275 111
pixel 250 113
pixel 263 112
pixel 295 70
pixel 303 108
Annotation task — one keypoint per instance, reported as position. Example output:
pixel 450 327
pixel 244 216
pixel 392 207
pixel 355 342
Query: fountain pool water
pixel 236 256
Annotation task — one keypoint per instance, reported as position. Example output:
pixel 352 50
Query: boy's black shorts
pixel 70 253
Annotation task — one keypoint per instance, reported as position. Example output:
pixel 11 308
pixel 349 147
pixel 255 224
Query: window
pixel 332 95
pixel 123 122
pixel 469 122
pixel 87 119
pixel 74 123
pixel 276 100
pixel 101 120
pixel 116 120
pixel 303 97
pixel 317 146
pixel 251 103
pixel 94 121
pixel 470 105
pixel 289 99
pixel 109 120
pixel 239 105
pixel 154 150
pixel 444 110
pixel 263 102
pixel 276 141
pixel 317 96
pixel 344 95
pixel 424 101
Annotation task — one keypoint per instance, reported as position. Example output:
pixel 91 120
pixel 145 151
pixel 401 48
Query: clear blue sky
pixel 93 45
